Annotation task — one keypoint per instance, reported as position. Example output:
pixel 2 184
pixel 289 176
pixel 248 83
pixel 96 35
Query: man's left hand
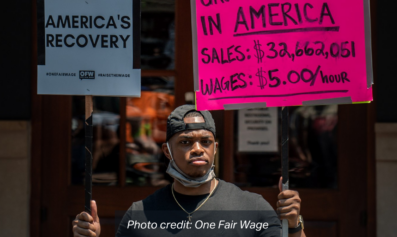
pixel 288 206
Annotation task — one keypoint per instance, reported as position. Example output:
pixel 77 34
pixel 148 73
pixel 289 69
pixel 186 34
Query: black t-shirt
pixel 228 212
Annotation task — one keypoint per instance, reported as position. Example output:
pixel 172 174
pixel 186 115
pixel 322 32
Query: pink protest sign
pixel 254 53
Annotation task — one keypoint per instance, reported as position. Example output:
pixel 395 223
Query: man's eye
pixel 207 141
pixel 184 142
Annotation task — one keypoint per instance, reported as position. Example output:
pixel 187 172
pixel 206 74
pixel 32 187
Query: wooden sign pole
pixel 284 158
pixel 88 152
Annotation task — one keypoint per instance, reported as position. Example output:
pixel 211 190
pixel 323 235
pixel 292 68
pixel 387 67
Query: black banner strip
pixel 136 34
pixel 88 164
pixel 284 144
pixel 40 33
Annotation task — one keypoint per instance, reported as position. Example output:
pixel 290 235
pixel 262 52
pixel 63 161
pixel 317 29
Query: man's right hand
pixel 87 225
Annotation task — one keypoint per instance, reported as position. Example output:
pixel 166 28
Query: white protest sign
pixel 257 130
pixel 88 47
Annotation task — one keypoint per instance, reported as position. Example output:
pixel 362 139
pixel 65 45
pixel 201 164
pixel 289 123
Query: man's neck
pixel 202 189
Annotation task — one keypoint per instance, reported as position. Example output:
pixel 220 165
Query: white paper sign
pixel 87 47
pixel 257 130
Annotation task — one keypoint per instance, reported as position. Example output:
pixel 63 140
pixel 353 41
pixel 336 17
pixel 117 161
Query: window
pixel 142 120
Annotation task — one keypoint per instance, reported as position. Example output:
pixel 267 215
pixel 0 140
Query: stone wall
pixel 15 143
pixel 386 178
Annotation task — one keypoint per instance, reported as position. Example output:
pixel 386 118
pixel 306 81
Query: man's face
pixel 193 150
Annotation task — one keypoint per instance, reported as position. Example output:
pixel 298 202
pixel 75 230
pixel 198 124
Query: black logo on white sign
pixel 87 75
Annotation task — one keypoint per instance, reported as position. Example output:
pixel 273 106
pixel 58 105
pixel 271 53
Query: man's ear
pixel 216 148
pixel 166 151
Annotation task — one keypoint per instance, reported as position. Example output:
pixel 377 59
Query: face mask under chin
pixel 187 181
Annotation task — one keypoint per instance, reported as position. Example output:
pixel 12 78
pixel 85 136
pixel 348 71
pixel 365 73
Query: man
pixel 196 196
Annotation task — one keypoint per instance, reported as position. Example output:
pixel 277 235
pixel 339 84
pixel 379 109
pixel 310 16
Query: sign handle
pixel 284 158
pixel 88 153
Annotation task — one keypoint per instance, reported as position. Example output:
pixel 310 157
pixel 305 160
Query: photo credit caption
pixel 198 225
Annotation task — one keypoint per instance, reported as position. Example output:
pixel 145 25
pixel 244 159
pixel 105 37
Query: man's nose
pixel 197 149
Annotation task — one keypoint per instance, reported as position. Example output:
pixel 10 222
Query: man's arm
pixel 86 224
pixel 288 207
pixel 131 214
pixel 123 230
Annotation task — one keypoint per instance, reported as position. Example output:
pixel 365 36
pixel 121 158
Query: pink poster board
pixel 251 53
